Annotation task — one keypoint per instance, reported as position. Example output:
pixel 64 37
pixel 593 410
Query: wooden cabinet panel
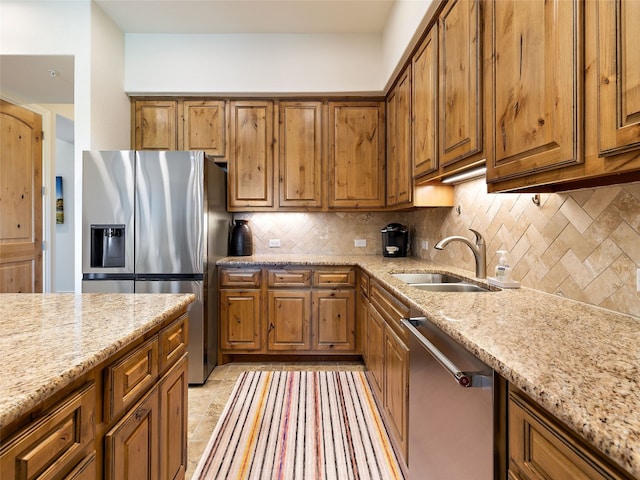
pixel 535 107
pixel 289 320
pixel 334 278
pixel 301 151
pixel 172 342
pixel 174 422
pixel 131 446
pixel 399 166
pixel 334 320
pixel 396 385
pixel 240 319
pixel 203 127
pixel 54 444
pixel 460 94
pixel 540 448
pixel 375 349
pixel 86 470
pixel 155 125
pixel 356 155
pixel 289 278
pixel 424 104
pixel 618 76
pixel 240 277
pixel 130 377
pixel 250 179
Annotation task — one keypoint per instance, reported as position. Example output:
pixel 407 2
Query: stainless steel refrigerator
pixel 156 222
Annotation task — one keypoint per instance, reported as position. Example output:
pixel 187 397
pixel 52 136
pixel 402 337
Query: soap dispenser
pixel 503 270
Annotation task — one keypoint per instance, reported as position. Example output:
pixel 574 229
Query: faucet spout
pixel 479 250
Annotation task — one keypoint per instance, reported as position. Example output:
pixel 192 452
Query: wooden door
pixel 240 319
pixel 20 200
pixel 356 154
pixel 460 81
pixel 334 320
pixel 619 76
pixel 131 447
pixel 535 86
pixel 375 349
pixel 203 127
pixel 424 105
pixel 250 179
pixel 289 319
pixel 301 152
pixel 174 422
pixel 396 385
pixel 156 124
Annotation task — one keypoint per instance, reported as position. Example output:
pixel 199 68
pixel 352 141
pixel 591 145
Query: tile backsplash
pixel 583 245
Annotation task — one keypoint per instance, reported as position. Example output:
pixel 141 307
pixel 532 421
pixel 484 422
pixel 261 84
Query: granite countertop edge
pixel 593 389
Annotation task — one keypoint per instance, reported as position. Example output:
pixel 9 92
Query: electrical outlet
pixel 274 242
pixel 424 245
pixel 638 280
pixel 360 242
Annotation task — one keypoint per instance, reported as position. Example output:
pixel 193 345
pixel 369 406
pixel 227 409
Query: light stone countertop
pixel 49 340
pixel 580 362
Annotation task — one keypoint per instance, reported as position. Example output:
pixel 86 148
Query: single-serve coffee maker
pixel 395 240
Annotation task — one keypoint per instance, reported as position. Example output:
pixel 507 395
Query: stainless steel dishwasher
pixel 451 408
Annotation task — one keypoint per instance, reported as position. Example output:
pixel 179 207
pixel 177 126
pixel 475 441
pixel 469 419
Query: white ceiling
pixel 29 77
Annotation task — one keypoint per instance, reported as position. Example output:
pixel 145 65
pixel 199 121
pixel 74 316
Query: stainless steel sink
pixel 438 282
pixel 450 287
pixel 421 278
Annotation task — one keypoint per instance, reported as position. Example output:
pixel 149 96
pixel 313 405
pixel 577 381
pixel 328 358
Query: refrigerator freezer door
pixel 108 180
pixel 200 365
pixel 169 212
pixel 107 286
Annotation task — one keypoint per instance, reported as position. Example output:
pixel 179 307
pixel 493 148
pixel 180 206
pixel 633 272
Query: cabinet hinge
pixel 43 245
pixel 42 135
pixel 44 190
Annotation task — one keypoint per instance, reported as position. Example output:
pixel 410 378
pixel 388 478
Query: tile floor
pixel 207 402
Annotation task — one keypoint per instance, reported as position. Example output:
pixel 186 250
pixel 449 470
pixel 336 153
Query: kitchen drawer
pixel 54 444
pixel 173 342
pixel 392 309
pixel 240 277
pixel 289 278
pixel 334 278
pixel 540 448
pixel 364 283
pixel 127 380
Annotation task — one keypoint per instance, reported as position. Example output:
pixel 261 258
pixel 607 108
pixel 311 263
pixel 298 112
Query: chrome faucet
pixel 479 251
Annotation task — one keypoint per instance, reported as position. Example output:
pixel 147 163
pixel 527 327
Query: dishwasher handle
pixel 464 379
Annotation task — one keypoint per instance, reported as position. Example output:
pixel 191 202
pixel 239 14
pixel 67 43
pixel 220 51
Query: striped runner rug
pixel 299 425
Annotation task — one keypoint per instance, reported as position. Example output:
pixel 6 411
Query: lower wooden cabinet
pixel 396 385
pixel 289 319
pixel 335 318
pixel 375 348
pixel 174 422
pixel 240 313
pixel 539 447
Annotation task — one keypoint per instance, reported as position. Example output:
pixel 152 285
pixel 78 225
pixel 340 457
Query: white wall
pixel 64 247
pixel 256 63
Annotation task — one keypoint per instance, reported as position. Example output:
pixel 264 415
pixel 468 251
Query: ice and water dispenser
pixel 107 246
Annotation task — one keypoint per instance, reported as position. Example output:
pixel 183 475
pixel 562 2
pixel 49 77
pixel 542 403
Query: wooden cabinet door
pixel 334 320
pixel 203 127
pixel 156 124
pixel 289 320
pixel 460 81
pixel 396 385
pixel 362 326
pixel 301 151
pixel 535 86
pixel 375 349
pixel 399 167
pixel 424 104
pixel 250 166
pixel 131 446
pixel 173 422
pixel 240 319
pixel 356 155
pixel 619 76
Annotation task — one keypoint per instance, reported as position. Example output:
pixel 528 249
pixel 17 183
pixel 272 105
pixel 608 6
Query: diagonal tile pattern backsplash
pixel 584 244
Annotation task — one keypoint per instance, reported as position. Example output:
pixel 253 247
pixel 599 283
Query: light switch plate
pixel 424 245
pixel 360 242
pixel 274 242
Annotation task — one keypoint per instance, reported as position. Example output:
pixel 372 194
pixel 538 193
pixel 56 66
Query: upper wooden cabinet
pixel 301 154
pixel 356 155
pixel 534 115
pixel 180 125
pixel 618 76
pixel 424 104
pixel 460 85
pixel 250 181
pixel 155 124
pixel 399 165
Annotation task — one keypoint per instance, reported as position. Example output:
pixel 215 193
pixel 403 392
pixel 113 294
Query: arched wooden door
pixel 20 199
